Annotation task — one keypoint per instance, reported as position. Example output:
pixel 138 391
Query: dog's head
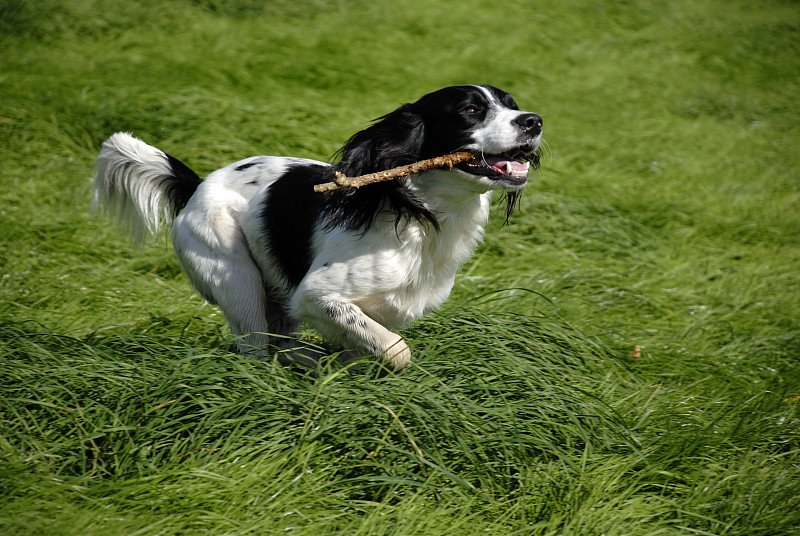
pixel 483 120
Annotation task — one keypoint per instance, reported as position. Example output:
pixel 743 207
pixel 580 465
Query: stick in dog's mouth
pixel 506 165
pixel 342 181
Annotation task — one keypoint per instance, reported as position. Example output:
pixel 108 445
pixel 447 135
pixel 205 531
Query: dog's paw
pixel 397 356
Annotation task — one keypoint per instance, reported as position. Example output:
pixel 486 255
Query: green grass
pixel 665 217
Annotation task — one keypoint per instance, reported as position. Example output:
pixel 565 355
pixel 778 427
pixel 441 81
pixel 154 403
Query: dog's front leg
pixel 348 325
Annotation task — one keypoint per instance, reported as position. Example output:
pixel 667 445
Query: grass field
pixel 665 216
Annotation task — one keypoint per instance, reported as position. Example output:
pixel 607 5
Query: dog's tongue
pixel 507 167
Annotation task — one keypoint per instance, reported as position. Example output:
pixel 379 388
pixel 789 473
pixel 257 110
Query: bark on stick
pixel 342 181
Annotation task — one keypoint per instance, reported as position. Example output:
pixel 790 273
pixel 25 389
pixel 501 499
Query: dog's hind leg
pixel 284 331
pixel 218 262
pixel 219 265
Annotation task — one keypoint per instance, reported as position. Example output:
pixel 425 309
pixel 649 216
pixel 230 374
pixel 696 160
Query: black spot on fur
pixel 290 215
pixel 247 165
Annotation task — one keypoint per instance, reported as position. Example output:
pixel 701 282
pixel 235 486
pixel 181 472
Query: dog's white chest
pixel 394 275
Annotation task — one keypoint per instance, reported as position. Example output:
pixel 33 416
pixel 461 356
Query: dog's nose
pixel 530 123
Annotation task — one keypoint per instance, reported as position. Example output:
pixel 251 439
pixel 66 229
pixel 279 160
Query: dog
pixel 356 264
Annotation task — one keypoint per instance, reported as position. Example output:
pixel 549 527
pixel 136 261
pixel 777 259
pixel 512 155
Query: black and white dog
pixel 257 240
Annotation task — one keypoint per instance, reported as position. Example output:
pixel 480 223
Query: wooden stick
pixel 342 181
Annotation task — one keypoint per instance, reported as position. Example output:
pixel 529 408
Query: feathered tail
pixel 144 187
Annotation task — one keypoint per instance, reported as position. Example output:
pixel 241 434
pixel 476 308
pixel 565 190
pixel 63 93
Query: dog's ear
pixel 393 140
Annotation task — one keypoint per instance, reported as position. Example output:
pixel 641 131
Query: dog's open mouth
pixel 511 167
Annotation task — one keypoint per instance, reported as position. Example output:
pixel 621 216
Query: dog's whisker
pixel 547 150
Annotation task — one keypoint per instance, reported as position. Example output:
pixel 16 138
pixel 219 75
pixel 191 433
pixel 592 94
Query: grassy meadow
pixel 666 216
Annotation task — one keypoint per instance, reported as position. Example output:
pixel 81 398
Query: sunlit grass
pixel 664 218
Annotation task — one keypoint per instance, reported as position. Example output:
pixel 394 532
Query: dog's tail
pixel 144 187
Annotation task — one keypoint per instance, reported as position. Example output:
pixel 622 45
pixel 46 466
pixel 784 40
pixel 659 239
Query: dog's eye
pixel 472 109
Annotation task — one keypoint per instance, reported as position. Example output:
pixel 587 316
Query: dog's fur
pixel 255 239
